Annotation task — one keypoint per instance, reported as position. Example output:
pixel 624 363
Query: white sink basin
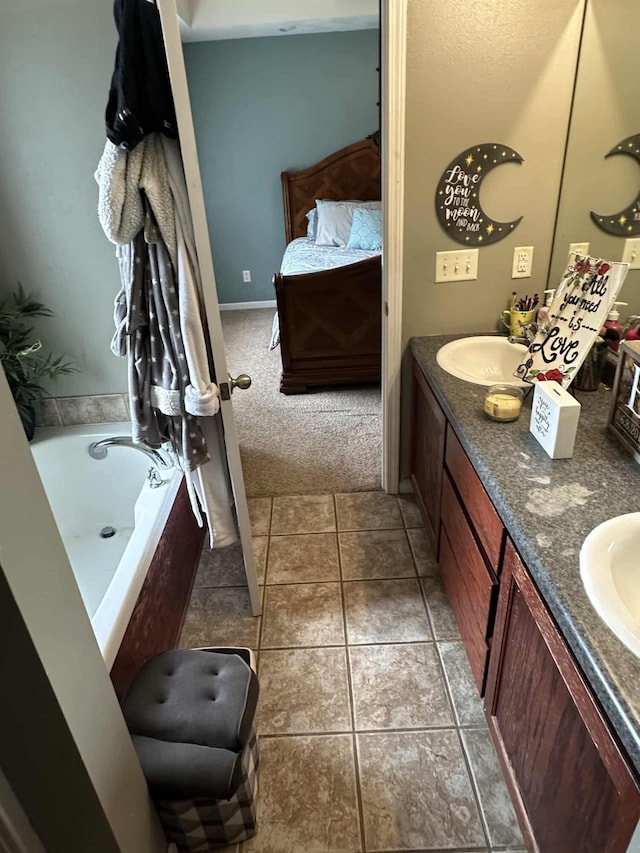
pixel 610 570
pixel 483 360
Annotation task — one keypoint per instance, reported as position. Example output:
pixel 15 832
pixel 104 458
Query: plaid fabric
pixel 196 826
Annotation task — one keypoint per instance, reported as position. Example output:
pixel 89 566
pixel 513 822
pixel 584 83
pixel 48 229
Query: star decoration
pixel 490 229
pixel 622 219
pixel 469 160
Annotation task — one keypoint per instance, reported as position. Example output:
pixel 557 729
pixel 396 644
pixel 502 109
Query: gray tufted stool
pixel 190 713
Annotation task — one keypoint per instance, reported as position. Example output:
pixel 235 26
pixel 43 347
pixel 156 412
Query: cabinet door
pixel 469 583
pixel 571 785
pixel 428 425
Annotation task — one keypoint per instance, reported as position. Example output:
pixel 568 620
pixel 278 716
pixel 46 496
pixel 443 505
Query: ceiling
pixel 206 20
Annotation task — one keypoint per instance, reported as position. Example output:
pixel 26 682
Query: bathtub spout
pixel 98 450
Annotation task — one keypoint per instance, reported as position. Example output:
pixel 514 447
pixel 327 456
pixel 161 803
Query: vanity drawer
pixel 471 586
pixel 476 501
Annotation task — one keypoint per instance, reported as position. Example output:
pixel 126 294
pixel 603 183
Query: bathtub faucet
pixel 98 450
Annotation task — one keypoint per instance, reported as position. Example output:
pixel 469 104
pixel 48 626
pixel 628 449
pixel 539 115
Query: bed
pixel 330 319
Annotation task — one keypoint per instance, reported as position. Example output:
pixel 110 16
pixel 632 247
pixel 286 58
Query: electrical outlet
pixel 522 262
pixel 457 265
pixel 631 254
pixel 246 276
pixel 579 248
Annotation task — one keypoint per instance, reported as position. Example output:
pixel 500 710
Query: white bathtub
pixel 87 495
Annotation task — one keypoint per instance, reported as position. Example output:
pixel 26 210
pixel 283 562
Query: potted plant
pixel 22 357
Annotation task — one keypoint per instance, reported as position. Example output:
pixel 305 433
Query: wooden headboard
pixel 353 172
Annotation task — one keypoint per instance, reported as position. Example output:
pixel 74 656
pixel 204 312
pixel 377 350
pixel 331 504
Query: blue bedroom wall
pixel 261 106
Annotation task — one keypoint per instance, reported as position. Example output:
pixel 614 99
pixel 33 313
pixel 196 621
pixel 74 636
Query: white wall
pixel 56 60
pixel 226 19
pixel 36 570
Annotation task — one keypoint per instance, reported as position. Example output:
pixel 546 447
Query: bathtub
pixel 86 495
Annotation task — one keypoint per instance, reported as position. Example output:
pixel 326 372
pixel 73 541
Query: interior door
pixel 179 85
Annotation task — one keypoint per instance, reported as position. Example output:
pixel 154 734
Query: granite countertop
pixel 548 507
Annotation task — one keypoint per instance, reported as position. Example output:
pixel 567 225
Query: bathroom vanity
pixel 561 693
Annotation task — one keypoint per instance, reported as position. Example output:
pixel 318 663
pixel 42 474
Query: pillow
pixel 366 230
pixel 312 223
pixel 335 219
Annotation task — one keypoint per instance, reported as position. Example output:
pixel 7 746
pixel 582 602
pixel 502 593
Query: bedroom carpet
pixel 326 441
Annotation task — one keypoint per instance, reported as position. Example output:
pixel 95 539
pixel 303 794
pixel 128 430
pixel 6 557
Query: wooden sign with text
pixel 458 204
pixel 624 418
pixel 583 299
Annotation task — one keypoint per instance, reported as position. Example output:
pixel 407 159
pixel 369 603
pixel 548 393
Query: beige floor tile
pixel 368 511
pixel 443 621
pixel 260 546
pixel 303 558
pixel 416 792
pixel 220 567
pixel 462 686
pixel 307 614
pixel 385 611
pixel 495 803
pixel 220 617
pixel 422 550
pixel 303 514
pixel 304 691
pixel 398 687
pixel 260 515
pixel 375 554
pixel 410 512
pixel 307 801
pixel 225 566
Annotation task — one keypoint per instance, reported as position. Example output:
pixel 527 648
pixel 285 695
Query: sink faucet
pixel 530 330
pixel 98 450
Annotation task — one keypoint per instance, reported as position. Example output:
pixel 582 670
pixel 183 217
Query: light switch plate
pixel 459 265
pixel 631 254
pixel 579 248
pixel 522 262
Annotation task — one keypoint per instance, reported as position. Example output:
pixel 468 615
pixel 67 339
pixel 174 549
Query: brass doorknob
pixel 243 381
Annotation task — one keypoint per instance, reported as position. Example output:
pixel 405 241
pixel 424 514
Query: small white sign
pixel 554 419
pixel 583 299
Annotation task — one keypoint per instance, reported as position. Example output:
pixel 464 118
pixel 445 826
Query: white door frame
pixel 393 25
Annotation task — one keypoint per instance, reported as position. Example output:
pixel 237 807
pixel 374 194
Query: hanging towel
pixel 140 99
pixel 159 320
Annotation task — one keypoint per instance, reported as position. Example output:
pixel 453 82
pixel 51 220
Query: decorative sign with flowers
pixel 586 292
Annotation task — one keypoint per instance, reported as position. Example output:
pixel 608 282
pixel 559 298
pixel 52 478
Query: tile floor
pixel 372 735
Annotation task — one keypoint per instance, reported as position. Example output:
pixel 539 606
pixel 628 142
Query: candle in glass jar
pixel 503 403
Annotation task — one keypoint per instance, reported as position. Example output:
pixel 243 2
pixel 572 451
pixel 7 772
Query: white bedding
pixel 303 255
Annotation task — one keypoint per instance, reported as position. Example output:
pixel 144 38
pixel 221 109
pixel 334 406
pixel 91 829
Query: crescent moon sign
pixel 627 222
pixel 458 195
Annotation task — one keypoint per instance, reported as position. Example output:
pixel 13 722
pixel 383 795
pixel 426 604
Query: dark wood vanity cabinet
pixel 470 584
pixel 570 782
pixel 427 451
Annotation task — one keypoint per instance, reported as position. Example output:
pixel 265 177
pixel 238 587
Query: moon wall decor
pixel 458 195
pixel 626 223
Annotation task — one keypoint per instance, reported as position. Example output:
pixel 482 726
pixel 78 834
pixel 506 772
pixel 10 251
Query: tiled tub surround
pixel 90 409
pixel 548 507
pixel 372 734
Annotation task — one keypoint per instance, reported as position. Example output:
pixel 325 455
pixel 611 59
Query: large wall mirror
pixel 605 111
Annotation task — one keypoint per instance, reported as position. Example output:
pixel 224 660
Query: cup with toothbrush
pixel 522 313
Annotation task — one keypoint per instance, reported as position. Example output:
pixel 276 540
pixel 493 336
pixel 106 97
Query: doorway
pixel 329 440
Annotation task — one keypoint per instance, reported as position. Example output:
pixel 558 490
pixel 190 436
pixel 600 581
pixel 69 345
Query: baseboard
pixel 242 306
pixel 405 487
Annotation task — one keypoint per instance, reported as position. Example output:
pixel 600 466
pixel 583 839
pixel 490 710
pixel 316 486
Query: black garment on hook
pixel 140 99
